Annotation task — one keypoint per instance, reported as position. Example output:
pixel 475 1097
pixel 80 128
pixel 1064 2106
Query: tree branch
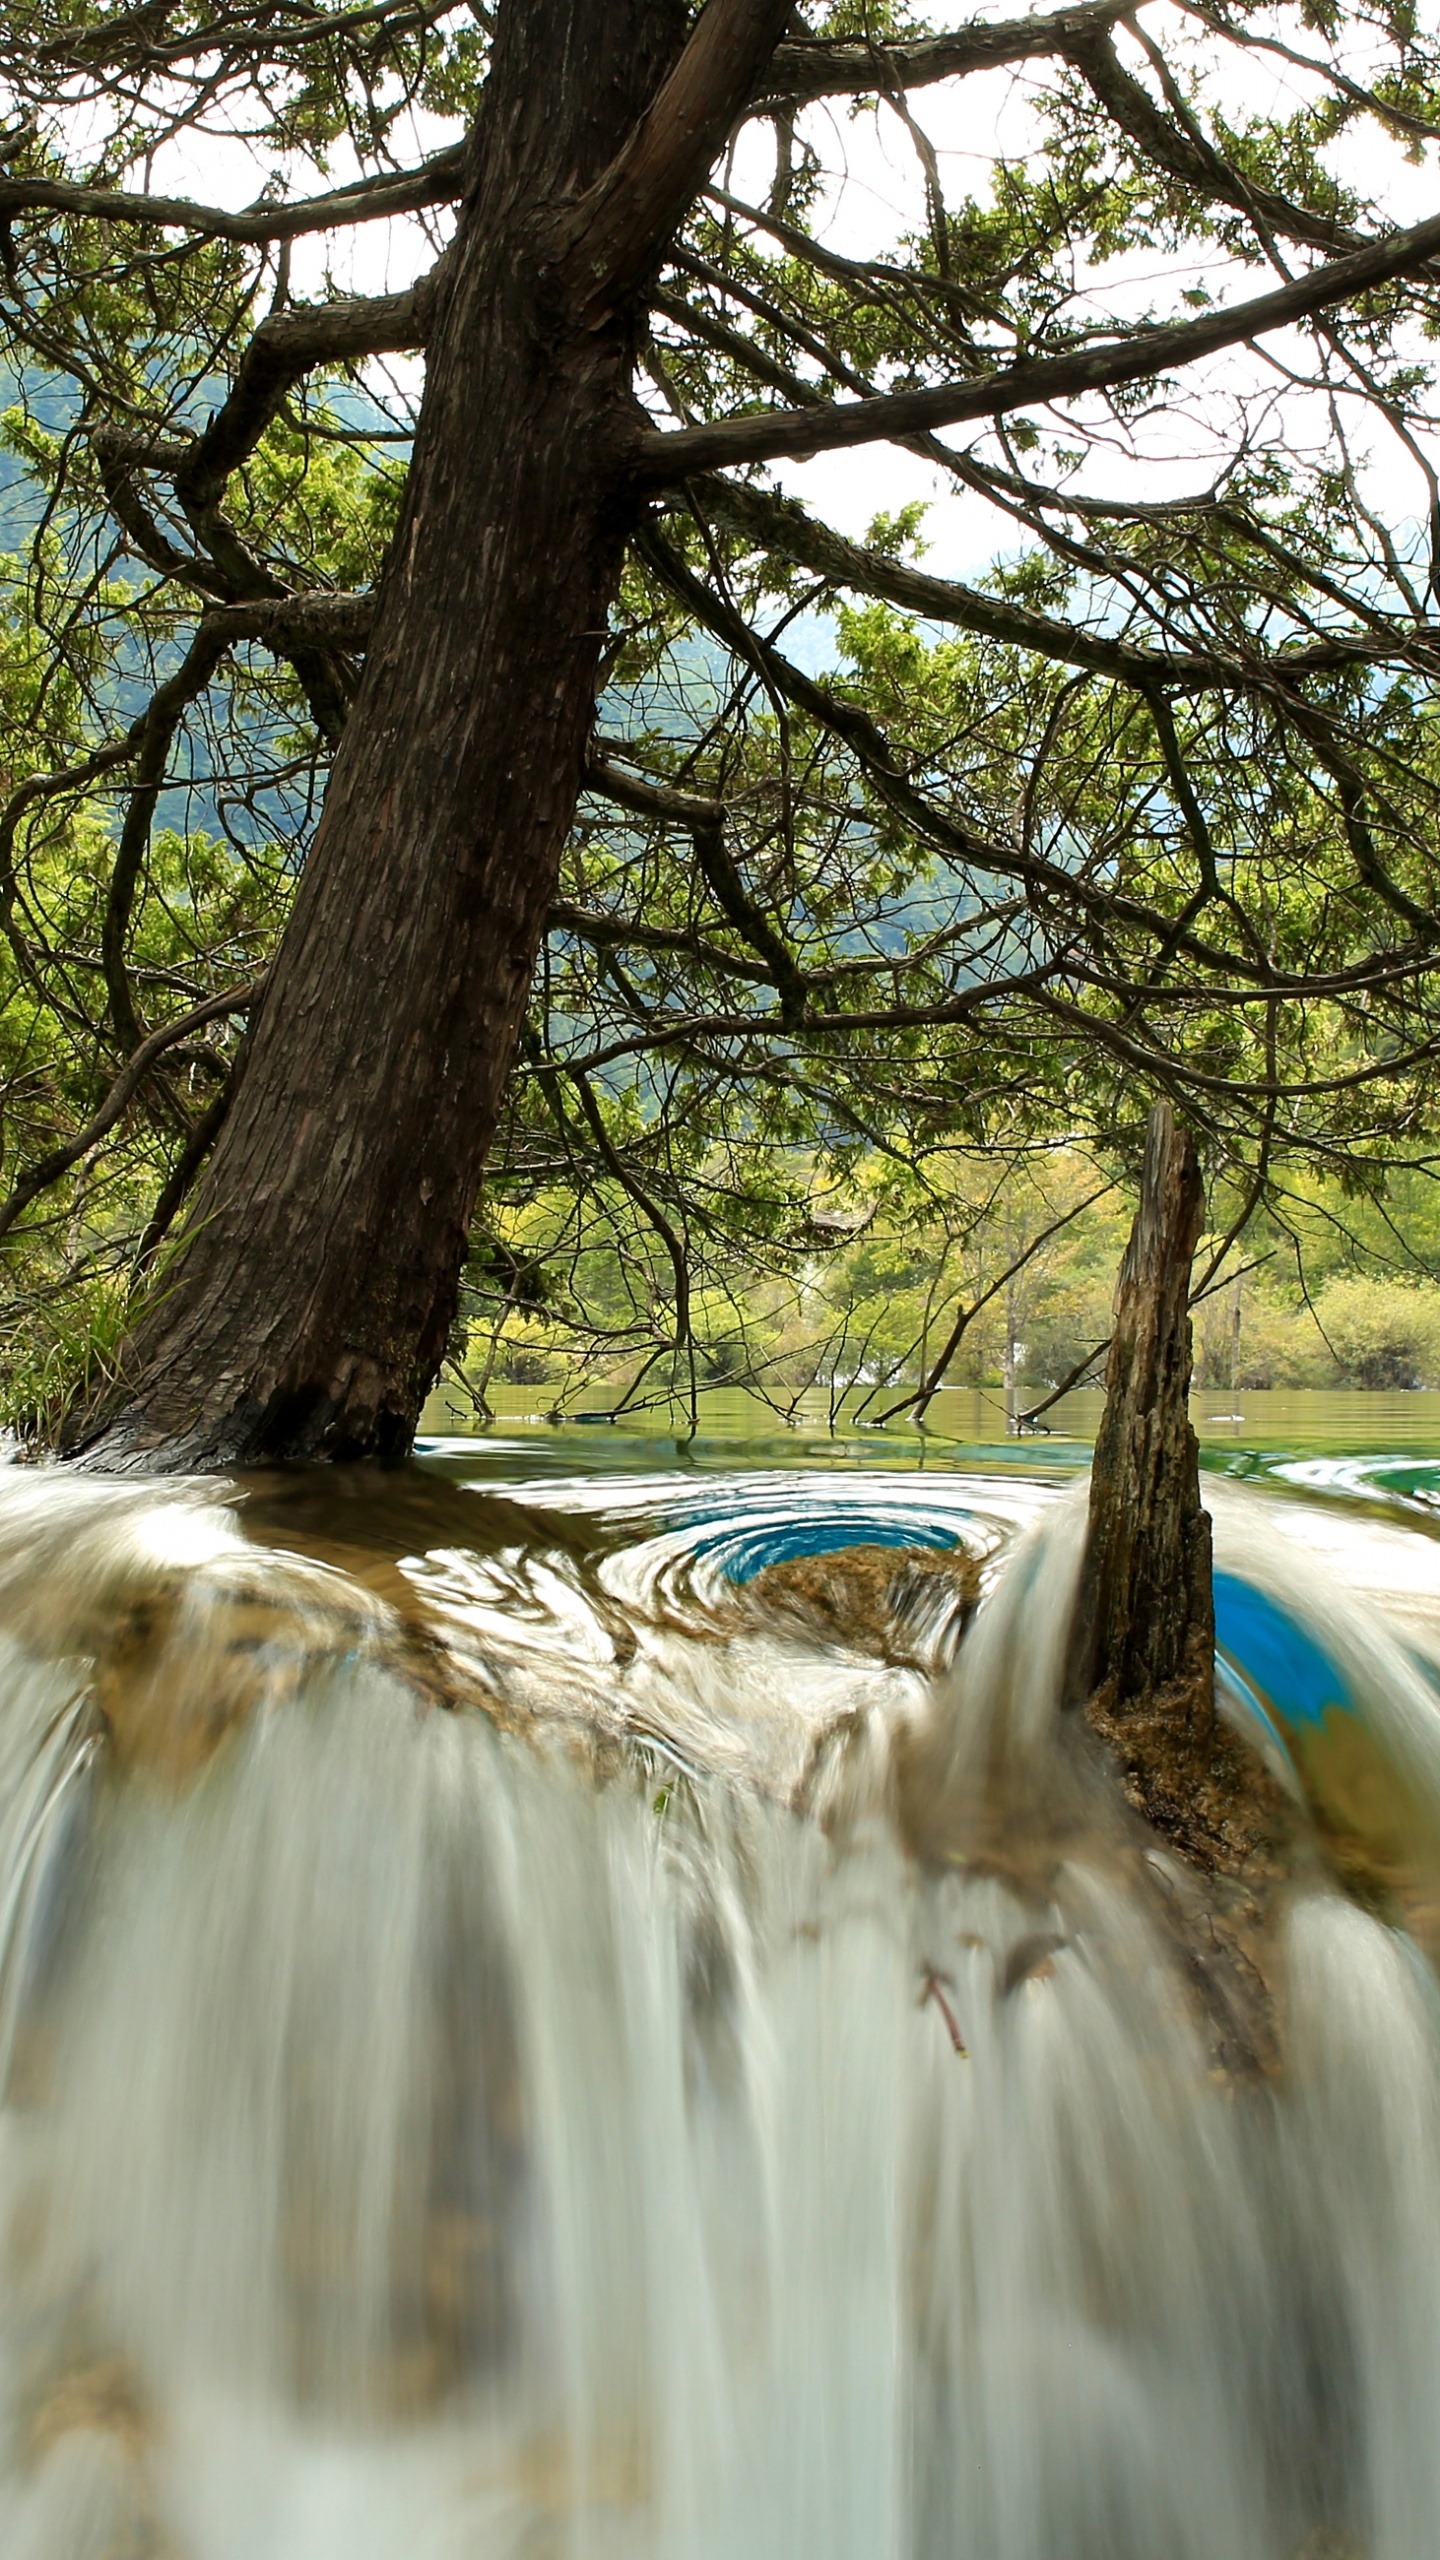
pixel 123 1090
pixel 324 619
pixel 1189 157
pixel 608 932
pixel 202 657
pixel 919 1400
pixel 705 820
pixel 285 347
pixel 791 433
pixel 849 69
pixel 129 861
pixel 180 1179
pixel 1072 1378
pixel 437 181
pixel 1057 895
pixel 781 525
pixel 610 241
pixel 644 1201
pixel 337 618
pixel 131 39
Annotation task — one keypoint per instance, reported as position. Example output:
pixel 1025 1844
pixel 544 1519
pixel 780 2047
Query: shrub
pixel 1381 1332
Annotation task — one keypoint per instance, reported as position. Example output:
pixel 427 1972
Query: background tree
pixel 856 855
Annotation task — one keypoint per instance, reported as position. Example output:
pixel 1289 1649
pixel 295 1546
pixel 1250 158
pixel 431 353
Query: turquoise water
pixel 739 1496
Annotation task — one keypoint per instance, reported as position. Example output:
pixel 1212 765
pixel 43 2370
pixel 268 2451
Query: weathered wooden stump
pixel 1145 1617
pixel 1142 1644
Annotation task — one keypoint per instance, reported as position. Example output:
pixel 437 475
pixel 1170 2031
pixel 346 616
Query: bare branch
pixel 1072 1378
pixel 793 433
pixel 437 181
pixel 121 1093
pixel 850 69
pixel 918 1399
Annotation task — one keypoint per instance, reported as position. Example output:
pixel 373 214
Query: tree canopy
pixel 1073 742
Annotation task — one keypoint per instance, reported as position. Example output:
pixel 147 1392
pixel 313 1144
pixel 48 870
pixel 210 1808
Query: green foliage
pixel 63 1346
pixel 1151 803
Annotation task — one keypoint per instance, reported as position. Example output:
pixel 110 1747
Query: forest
pixel 888 1290
pixel 695 834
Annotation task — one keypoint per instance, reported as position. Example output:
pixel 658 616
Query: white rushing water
pixel 537 2129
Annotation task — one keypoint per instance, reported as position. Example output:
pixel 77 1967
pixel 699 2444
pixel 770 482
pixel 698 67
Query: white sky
pixel 877 196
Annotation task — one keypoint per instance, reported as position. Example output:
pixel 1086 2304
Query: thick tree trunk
pixel 308 1313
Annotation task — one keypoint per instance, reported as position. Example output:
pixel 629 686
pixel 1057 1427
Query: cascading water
pixel 561 2025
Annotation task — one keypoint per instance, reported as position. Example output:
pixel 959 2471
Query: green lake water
pixel 964 1425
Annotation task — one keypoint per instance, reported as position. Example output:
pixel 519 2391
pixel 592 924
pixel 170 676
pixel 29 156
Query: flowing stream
pixel 616 2019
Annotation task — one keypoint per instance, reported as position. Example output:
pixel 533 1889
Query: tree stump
pixel 1141 1657
pixel 1145 1614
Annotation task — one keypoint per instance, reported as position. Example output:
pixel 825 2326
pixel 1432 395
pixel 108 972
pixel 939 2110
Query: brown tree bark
pixel 308 1313
pixel 1145 1616
pixel 1142 1640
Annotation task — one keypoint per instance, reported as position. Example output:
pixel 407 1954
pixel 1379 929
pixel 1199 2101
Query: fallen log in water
pixel 1142 1642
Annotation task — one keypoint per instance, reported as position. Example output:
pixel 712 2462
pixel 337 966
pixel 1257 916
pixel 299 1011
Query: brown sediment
pixel 902 1603
pixel 1223 1932
pixel 370 1528
pixel 105 2397
pixel 99 2399
pixel 167 1705
pixel 1363 1824
pixel 906 1606
pixel 1378 1835
pixel 616 2472
pixel 1207 1797
pixel 187 1663
pixel 1193 1778
pixel 365 1524
pixel 1218 1913
pixel 69 2378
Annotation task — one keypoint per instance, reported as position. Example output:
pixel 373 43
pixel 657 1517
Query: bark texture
pixel 308 1313
pixel 1145 1614
pixel 1142 1646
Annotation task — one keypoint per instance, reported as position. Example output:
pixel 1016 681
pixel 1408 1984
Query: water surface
pixel 573 2003
pixel 1282 1419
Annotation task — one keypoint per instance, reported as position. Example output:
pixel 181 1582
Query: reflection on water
pixel 1283 1419
pixel 580 2003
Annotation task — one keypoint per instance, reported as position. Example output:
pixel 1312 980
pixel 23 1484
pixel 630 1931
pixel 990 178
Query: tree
pixel 1151 807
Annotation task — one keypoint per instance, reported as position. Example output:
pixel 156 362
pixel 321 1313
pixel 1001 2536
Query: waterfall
pixel 519 2042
